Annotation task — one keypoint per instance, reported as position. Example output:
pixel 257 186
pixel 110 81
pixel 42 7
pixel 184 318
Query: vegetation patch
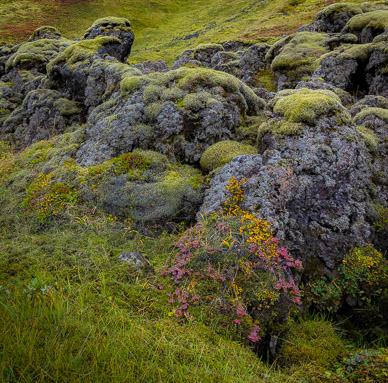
pixel 222 152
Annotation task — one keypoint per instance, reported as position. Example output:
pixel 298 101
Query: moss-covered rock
pixel 335 16
pixel 184 112
pixel 42 114
pixel 223 152
pixel 36 54
pixel 379 113
pixel 305 105
pixel 368 25
pixel 45 32
pixel 116 27
pixel 298 59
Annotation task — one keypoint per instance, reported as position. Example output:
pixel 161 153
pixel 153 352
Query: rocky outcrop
pixel 178 113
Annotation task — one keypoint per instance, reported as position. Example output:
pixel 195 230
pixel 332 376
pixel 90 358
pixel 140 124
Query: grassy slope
pixel 160 25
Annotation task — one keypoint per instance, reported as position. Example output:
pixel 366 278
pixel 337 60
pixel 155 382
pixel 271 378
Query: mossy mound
pixel 380 113
pixel 45 32
pixel 298 59
pixel 112 21
pixel 335 16
pixel 36 53
pixel 80 52
pixel 377 21
pixel 312 341
pixel 279 128
pixel 305 105
pixel 223 152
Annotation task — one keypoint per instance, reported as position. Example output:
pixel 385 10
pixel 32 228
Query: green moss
pixel 299 57
pixel 204 48
pixel 380 113
pixel 79 52
pixel 111 20
pixel 54 32
pixel 176 84
pixel 369 138
pixel 37 51
pixel 68 108
pixel 377 20
pixel 266 80
pixel 305 105
pixel 334 9
pixel 131 84
pixel 223 152
pixel 279 128
pixel 196 101
pixel 312 341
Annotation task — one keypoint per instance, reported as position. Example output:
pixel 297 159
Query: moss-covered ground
pixel 164 28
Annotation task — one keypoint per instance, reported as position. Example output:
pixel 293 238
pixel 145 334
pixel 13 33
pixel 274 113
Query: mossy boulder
pixel 223 152
pixel 179 113
pixel 305 105
pixel 368 25
pixel 298 58
pixel 45 32
pixel 334 17
pixel 43 113
pixel 70 70
pixel 36 54
pixel 362 69
pixel 116 27
pixel 371 113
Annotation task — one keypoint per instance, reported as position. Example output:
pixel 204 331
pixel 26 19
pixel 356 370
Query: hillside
pixel 163 28
pixel 193 191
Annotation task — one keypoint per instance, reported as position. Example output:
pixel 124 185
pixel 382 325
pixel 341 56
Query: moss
pixel 67 107
pixel 45 31
pixel 279 128
pixel 223 152
pixel 369 138
pixel 334 9
pixel 153 110
pixel 81 51
pixel 111 20
pixel 36 51
pixel 204 49
pixel 380 113
pixel 377 20
pixel 299 57
pixel 305 105
pixel 312 341
pixel 131 84
pixel 175 84
pixel 266 80
pixel 196 101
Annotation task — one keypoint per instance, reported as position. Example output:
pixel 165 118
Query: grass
pixel 161 26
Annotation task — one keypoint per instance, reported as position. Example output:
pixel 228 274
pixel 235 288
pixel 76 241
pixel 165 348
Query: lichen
pixel 223 152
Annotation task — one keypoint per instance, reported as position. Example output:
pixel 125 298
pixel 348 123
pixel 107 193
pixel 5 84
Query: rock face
pixel 311 182
pixel 178 113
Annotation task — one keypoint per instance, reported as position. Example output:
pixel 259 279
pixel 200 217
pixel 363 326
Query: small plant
pixel 232 272
pixel 47 199
pixel 382 223
pixel 133 164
